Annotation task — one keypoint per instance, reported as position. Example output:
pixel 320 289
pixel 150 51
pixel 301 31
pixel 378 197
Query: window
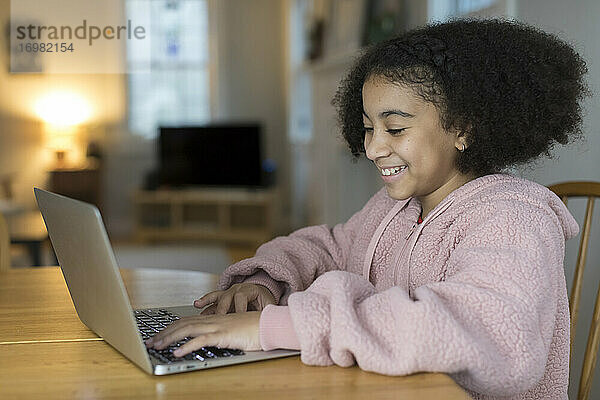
pixel 468 6
pixel 440 10
pixel 300 113
pixel 168 82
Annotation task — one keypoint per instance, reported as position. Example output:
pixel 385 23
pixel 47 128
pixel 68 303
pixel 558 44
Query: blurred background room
pixel 241 91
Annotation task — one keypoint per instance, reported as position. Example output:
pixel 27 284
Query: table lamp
pixel 62 113
pixel 61 139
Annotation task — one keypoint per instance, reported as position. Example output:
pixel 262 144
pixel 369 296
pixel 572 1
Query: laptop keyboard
pixel 150 322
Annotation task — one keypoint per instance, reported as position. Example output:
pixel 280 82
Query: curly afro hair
pixel 512 88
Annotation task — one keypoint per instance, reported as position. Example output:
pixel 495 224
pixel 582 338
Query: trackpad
pixel 184 311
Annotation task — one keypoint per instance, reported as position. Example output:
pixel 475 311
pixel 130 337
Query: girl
pixel 453 266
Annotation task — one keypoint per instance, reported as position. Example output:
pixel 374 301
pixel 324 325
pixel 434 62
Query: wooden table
pixel 47 353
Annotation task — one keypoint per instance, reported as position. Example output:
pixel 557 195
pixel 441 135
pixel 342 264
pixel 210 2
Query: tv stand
pixel 226 214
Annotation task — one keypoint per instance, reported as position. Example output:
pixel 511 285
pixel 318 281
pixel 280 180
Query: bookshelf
pixel 231 215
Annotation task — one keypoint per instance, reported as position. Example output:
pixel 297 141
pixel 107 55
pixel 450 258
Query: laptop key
pixel 220 352
pixel 158 355
pixel 208 353
pixel 152 313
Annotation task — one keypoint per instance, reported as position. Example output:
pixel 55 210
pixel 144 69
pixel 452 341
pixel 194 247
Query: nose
pixel 376 146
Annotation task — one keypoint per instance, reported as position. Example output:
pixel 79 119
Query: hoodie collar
pixel 534 192
pixel 412 208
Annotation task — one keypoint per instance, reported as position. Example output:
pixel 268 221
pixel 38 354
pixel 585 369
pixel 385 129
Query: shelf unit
pixel 83 184
pixel 231 215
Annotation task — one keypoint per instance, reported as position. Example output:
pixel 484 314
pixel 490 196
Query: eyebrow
pixel 385 114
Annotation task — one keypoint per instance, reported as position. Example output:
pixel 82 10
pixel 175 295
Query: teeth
pixel 392 171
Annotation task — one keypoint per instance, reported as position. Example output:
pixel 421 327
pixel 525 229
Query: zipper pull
pixel 411 231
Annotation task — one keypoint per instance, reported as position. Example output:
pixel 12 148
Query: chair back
pixel 4 245
pixel 590 190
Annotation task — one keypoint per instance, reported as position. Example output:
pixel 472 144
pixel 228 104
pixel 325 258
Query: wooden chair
pixel 4 245
pixel 591 190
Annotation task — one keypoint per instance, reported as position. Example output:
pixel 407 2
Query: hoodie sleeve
pixel 490 323
pixel 291 263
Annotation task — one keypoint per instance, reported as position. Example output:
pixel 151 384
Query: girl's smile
pixel 392 174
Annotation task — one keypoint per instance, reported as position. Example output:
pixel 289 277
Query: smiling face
pixel 405 140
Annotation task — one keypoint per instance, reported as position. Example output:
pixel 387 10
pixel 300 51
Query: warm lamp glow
pixel 63 109
pixel 60 138
pixel 62 113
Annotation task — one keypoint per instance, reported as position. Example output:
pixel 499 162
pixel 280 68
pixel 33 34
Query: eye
pixel 395 132
pixel 368 129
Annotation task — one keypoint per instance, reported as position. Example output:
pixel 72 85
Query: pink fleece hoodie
pixel 477 290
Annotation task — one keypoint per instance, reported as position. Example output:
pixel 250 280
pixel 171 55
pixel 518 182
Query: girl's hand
pixel 238 298
pixel 235 331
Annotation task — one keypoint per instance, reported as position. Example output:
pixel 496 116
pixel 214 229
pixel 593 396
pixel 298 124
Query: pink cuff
pixel 262 278
pixel 276 329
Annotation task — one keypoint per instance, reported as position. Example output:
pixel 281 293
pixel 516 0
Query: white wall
pixel 577 22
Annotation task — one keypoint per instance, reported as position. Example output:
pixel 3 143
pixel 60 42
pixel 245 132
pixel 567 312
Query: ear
pixel 461 138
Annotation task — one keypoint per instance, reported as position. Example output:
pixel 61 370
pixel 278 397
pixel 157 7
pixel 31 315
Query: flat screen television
pixel 211 155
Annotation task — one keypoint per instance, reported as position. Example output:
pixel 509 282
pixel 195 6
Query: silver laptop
pixel 92 276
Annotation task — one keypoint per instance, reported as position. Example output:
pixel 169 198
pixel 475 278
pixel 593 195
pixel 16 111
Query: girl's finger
pixel 241 302
pixel 209 310
pixel 207 299
pixel 207 339
pixel 224 303
pixel 158 337
pixel 163 337
pixel 265 301
pixel 176 335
